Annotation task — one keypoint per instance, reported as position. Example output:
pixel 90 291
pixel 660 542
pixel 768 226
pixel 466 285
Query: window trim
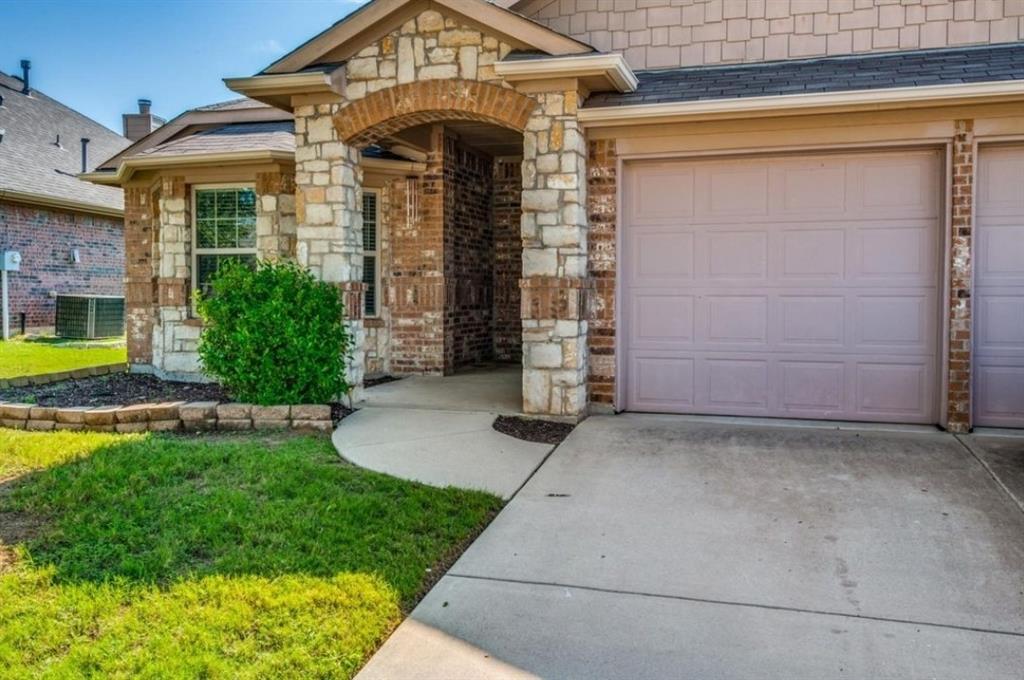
pixel 375 253
pixel 194 212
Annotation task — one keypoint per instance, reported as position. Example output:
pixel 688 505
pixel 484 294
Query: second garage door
pixel 787 286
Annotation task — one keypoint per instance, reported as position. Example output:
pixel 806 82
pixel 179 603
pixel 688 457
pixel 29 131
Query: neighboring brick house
pixel 47 213
pixel 791 208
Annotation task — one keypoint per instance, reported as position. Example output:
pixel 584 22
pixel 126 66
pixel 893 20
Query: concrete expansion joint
pixel 732 603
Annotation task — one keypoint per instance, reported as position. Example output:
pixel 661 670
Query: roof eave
pixel 60 203
pixel 804 104
pixel 601 72
pixel 277 89
pixel 130 166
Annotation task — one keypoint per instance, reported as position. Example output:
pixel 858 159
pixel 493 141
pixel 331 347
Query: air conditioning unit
pixel 90 316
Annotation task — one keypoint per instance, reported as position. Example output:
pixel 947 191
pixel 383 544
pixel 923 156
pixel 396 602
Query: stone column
pixel 958 412
pixel 175 336
pixel 328 207
pixel 275 215
pixel 554 284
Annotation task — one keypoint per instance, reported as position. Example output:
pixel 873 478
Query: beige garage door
pixel 999 289
pixel 798 286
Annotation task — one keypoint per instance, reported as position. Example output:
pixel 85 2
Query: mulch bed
pixel 119 389
pixel 379 380
pixel 532 430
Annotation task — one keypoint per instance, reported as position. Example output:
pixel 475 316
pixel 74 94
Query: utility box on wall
pixel 11 261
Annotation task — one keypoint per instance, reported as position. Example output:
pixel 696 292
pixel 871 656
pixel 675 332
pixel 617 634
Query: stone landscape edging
pixel 77 374
pixel 188 416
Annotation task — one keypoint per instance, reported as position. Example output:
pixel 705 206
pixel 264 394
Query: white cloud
pixel 269 46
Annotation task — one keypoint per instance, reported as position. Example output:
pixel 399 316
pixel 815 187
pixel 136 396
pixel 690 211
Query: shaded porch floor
pixel 495 388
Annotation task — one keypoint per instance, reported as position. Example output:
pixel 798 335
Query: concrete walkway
pixel 491 389
pixel 654 547
pixel 440 448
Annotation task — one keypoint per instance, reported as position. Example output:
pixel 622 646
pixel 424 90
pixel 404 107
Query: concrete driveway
pixel 656 546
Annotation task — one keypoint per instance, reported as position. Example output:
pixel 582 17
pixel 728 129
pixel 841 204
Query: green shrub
pixel 274 335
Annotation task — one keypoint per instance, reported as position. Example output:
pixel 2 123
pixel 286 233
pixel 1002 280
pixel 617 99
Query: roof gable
pixel 379 17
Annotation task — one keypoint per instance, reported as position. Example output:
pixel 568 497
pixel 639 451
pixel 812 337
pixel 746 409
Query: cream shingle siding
pixel 669 33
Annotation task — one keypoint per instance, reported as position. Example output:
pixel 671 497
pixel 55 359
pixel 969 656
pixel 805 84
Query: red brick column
pixel 140 282
pixel 602 215
pixel 958 413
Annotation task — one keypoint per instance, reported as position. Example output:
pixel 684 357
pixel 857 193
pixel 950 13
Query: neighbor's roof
pixel 31 163
pixel 234 137
pixel 827 74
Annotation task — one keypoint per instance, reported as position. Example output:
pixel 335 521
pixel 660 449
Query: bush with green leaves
pixel 273 334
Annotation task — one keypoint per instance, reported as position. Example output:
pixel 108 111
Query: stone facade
pixel 162 333
pixel 431 70
pixel 960 325
pixel 667 33
pixel 45 238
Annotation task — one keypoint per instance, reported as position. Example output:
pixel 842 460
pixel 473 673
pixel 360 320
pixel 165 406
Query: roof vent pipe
pixel 144 106
pixel 26 65
pixel 85 154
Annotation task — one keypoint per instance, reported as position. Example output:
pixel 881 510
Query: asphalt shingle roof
pixel 30 160
pixel 828 74
pixel 270 136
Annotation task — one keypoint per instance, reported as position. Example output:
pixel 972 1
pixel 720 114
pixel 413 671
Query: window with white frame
pixel 371 252
pixel 224 228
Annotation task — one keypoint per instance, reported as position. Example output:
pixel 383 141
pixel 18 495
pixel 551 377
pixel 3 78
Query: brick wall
pixel 468 256
pixel 415 290
pixel 959 395
pixel 45 238
pixel 667 33
pixel 602 215
pixel 508 259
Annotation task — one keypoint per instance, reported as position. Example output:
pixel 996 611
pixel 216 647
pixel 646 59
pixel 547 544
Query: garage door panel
pixel 895 322
pixel 740 384
pixel 813 387
pixel 662 383
pixel 807 310
pixel 893 389
pixel 812 320
pixel 998 351
pixel 813 253
pixel 891 187
pixel 736 319
pixel 662 194
pixel 726 190
pixel 736 255
pixel 662 320
pixel 811 189
pixel 999 395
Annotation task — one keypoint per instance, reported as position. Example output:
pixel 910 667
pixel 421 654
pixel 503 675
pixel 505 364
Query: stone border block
pixel 198 410
pixel 136 413
pixel 234 424
pixel 233 411
pixel 15 411
pixel 305 412
pixel 101 416
pixel 313 425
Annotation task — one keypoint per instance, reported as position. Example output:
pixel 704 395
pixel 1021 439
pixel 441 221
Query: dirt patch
pixel 533 430
pixel 16 527
pixel 119 389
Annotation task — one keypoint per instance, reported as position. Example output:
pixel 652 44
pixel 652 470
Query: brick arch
pixel 390 110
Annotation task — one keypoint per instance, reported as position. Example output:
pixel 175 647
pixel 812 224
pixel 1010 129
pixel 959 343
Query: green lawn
pixel 50 355
pixel 214 556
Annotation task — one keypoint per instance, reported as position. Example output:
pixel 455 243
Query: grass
pixel 50 355
pixel 167 556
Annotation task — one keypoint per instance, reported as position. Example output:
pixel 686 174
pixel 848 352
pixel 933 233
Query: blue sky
pixel 100 56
